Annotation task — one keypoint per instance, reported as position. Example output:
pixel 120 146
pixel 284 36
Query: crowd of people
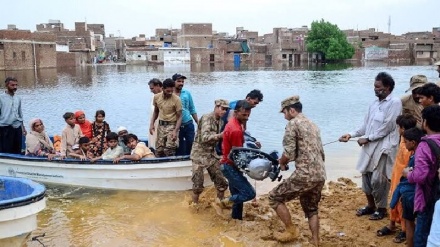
pixel 399 141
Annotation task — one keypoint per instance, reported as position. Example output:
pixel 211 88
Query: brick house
pixel 22 49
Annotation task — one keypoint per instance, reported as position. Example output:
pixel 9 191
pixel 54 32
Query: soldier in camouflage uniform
pixel 168 109
pixel 302 144
pixel 203 153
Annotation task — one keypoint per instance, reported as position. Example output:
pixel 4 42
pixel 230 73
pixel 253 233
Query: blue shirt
pixel 188 107
pixel 10 110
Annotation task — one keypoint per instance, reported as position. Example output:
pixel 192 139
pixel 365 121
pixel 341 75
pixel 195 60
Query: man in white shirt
pixel 379 139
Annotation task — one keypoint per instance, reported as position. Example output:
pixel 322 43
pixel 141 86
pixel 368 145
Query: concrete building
pixel 81 39
pixel 436 32
pixel 409 47
pixel 288 45
pixel 167 35
pixel 114 46
pixel 52 26
pixel 250 36
pixel 195 35
pixel 140 50
pixel 22 49
pixel 173 55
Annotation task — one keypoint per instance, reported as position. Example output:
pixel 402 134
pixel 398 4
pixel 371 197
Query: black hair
pixel 9 79
pixel 297 106
pixel 255 94
pixel 111 136
pixel 386 79
pixel 167 83
pixel 430 89
pixel 83 140
pixel 68 115
pixel 155 82
pixel 242 104
pixel 406 121
pixel 413 134
pixel 416 90
pixel 431 115
pixel 127 138
pixel 100 112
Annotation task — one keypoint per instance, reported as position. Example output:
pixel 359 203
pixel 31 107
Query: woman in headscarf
pixel 38 142
pixel 84 124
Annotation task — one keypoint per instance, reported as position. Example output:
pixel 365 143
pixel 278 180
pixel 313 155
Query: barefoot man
pixel 302 144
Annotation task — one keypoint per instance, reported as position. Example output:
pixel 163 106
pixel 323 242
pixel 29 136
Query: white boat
pixel 20 201
pixel 154 174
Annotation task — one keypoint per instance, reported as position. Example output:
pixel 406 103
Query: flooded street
pixel 336 100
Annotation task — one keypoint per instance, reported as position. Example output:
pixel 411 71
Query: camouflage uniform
pixel 302 144
pixel 203 154
pixel 167 119
pixel 165 146
pixel 409 106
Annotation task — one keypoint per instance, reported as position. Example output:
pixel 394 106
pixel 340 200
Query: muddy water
pixel 336 100
pixel 86 217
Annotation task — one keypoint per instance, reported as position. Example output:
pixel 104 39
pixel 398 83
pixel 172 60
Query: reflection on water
pixel 85 217
pixel 335 97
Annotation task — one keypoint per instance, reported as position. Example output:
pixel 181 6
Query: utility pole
pixel 389 24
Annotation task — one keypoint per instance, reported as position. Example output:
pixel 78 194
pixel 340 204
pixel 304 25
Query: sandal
pixel 364 211
pixel 400 237
pixel 385 231
pixel 378 215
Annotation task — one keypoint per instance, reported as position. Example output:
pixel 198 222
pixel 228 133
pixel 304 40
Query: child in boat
pixel 100 129
pixel 138 149
pixel 113 151
pixel 70 135
pixel 84 124
pixel 83 153
pixel 405 190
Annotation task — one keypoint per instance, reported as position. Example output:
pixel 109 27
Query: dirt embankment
pixel 339 224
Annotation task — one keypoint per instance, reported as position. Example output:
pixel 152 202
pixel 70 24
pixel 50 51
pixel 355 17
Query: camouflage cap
pixel 222 103
pixel 289 101
pixel 416 82
pixel 437 63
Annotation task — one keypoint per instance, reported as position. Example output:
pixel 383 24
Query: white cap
pixel 121 128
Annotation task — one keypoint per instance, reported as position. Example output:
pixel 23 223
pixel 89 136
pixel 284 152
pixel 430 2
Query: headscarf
pixel 34 139
pixel 86 127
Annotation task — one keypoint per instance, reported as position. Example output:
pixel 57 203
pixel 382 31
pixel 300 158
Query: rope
pixel 337 141
pixel 36 238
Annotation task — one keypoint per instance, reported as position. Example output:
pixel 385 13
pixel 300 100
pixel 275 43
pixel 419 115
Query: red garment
pixel 86 127
pixel 233 136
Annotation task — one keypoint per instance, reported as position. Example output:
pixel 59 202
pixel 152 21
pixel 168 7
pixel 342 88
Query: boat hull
pixel 147 175
pixel 17 223
pixel 20 202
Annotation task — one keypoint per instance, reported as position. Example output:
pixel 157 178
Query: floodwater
pixel 336 98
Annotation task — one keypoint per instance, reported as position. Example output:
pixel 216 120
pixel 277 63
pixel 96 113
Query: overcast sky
pixel 133 17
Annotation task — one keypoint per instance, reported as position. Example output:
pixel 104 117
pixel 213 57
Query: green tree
pixel 329 40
